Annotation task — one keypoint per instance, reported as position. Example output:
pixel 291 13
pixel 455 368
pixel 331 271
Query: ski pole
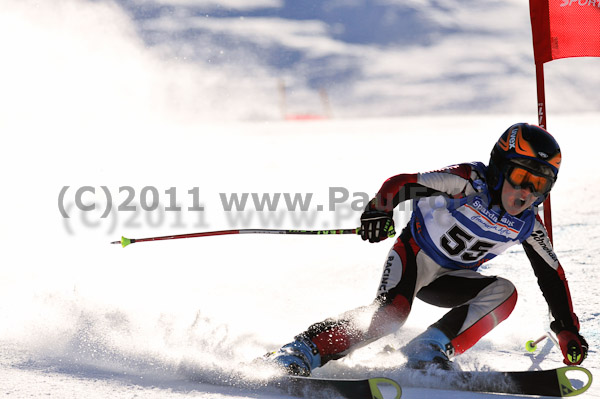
pixel 126 241
pixel 553 339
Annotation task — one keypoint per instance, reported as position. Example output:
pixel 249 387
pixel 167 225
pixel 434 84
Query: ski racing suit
pixel 454 229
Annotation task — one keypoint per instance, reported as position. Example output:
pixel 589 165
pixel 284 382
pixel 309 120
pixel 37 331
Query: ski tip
pixel 566 387
pixel 374 384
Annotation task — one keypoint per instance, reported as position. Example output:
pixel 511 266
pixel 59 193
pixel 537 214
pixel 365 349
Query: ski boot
pixel 431 349
pixel 297 358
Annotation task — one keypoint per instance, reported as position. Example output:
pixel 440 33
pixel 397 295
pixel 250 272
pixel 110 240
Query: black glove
pixel 573 346
pixel 376 225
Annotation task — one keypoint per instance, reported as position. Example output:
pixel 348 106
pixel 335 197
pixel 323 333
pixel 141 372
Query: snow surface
pixel 86 103
pixel 374 58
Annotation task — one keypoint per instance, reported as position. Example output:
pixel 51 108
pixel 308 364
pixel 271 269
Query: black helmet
pixel 528 147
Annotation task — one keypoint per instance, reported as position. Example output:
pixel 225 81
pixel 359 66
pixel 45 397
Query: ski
pixel 311 387
pixel 554 382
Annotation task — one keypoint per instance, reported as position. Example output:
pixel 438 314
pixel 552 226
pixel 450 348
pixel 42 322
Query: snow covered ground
pixel 87 106
pixel 81 317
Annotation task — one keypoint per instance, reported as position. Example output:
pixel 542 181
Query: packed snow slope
pixel 87 104
pixel 81 317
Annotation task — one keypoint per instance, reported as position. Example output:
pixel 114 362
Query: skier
pixel 464 215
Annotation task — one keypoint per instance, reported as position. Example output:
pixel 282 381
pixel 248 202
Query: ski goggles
pixel 520 177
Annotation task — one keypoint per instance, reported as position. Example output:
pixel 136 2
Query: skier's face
pixel 516 200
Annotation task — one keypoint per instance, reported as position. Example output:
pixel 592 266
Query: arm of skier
pixel 377 222
pixel 553 283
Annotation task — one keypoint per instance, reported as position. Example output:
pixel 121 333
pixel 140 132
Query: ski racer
pixel 463 216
